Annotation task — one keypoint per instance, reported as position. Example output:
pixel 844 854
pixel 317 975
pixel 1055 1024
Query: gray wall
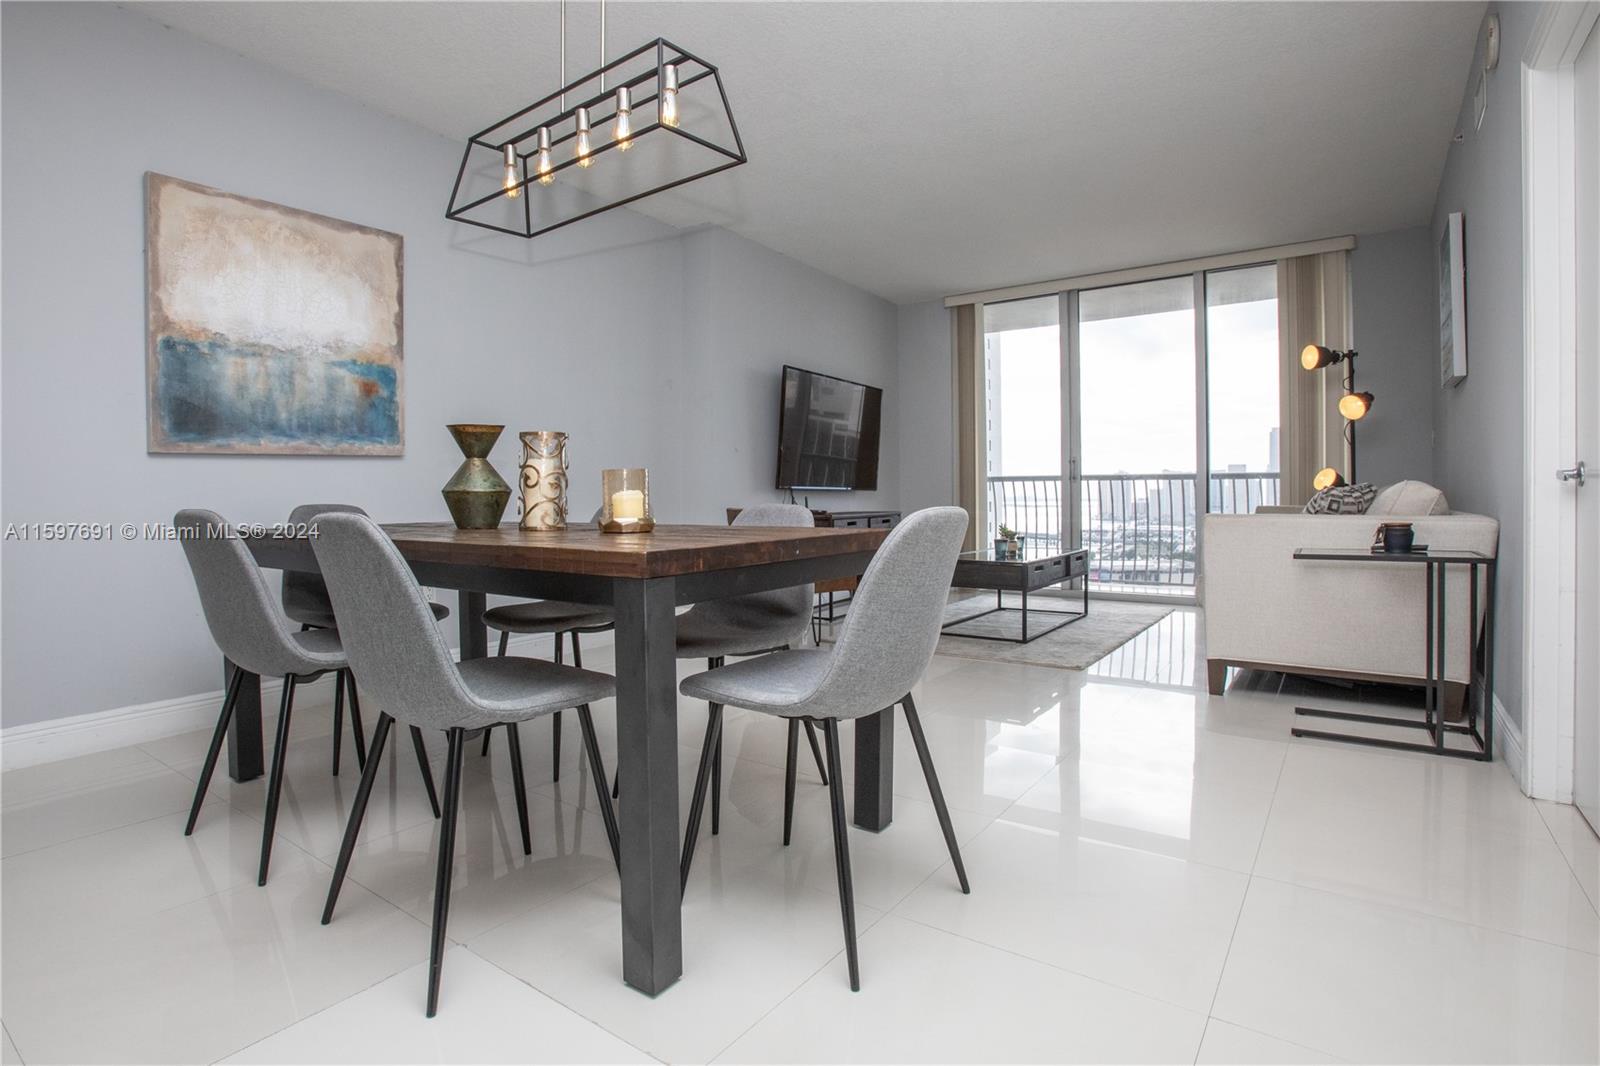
pixel 926 406
pixel 1396 330
pixel 496 330
pixel 752 311
pixel 1478 443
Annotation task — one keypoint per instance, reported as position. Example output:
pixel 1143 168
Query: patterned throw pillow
pixel 1346 499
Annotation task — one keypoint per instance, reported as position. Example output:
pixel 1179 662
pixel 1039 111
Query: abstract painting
pixel 271 331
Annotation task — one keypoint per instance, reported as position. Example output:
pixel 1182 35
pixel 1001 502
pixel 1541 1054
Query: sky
pixel 1138 392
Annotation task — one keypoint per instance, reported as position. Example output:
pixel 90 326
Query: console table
pixel 1433 721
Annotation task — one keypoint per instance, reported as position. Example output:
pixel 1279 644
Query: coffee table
pixel 1031 570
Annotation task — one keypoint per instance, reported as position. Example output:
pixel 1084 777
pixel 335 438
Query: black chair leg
pixel 356 728
pixel 934 790
pixel 577 652
pixel 816 752
pixel 514 749
pixel 702 780
pixel 788 778
pixel 447 854
pixel 616 782
pixel 422 763
pixel 555 729
pixel 228 700
pixel 597 770
pixel 338 718
pixel 275 782
pixel 358 811
pixel 841 850
pixel 505 636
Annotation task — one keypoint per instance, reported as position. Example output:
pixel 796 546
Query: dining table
pixel 644 578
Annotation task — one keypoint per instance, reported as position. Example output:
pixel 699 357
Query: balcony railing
pixel 1139 528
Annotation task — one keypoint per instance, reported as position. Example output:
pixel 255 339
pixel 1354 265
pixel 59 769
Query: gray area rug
pixel 1077 646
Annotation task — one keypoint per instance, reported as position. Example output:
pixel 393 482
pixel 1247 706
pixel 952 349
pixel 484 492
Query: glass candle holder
pixel 544 480
pixel 625 501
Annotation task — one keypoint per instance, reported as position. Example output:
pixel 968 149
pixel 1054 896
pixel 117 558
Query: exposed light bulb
pixel 581 152
pixel 513 179
pixel 542 166
pixel 1327 478
pixel 1355 405
pixel 669 96
pixel 622 131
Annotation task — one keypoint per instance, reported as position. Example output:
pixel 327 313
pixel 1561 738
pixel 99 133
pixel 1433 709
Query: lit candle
pixel 628 503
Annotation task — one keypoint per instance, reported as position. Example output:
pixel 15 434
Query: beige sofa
pixel 1366 621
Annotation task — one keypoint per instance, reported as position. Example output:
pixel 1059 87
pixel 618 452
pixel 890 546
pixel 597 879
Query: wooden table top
pixel 668 551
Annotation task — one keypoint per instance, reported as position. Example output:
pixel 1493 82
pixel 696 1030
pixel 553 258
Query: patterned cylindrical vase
pixel 544 480
pixel 476 493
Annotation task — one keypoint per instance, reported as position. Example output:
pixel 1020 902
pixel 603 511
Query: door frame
pixel 1549 639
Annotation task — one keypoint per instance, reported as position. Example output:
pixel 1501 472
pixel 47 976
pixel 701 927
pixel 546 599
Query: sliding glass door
pixel 1134 365
pixel 1022 419
pixel 1243 394
pixel 1159 399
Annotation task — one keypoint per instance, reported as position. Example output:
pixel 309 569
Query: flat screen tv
pixel 827 432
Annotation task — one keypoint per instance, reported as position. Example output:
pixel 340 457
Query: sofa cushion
pixel 1411 498
pixel 1345 499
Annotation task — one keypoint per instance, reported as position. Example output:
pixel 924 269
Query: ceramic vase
pixel 476 494
pixel 544 480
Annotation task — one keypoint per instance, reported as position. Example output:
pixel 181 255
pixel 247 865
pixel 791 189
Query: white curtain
pixel 1313 308
pixel 966 326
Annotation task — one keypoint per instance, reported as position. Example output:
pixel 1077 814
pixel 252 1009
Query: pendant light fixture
pixel 662 109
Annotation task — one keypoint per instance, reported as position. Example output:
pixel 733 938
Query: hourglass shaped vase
pixel 476 494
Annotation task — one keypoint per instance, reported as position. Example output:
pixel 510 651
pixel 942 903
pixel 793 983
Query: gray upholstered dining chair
pixel 559 618
pixel 397 651
pixel 882 650
pixel 752 624
pixel 254 636
pixel 305 600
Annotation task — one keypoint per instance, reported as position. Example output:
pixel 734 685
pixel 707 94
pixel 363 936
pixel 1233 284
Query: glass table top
pixel 1028 553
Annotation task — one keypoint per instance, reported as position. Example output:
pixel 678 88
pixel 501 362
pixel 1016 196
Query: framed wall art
pixel 270 331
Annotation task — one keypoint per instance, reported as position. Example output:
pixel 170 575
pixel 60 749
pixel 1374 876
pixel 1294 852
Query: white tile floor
pixel 1158 876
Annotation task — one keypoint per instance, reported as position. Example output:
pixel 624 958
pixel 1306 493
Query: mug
pixel 1395 537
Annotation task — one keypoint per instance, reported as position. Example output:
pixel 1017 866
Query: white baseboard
pixel 120 727
pixel 1508 745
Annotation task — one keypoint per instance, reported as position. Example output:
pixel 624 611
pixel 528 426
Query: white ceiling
pixel 922 149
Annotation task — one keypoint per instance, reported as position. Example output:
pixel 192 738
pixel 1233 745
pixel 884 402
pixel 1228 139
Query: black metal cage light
pixel 651 120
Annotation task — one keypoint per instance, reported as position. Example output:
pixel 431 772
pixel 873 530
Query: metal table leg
pixel 647 762
pixel 874 799
pixel 469 619
pixel 1440 628
pixel 244 730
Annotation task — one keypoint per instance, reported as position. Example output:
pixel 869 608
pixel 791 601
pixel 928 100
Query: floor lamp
pixel 1353 406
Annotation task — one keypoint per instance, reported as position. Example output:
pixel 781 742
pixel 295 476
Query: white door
pixel 1586 762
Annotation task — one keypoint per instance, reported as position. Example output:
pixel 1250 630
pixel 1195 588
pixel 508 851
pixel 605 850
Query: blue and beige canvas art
pixel 271 330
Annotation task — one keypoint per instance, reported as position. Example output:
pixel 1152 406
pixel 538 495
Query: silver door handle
pixel 1575 473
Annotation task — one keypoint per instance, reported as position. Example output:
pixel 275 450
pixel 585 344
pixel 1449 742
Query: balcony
pixel 1139 528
